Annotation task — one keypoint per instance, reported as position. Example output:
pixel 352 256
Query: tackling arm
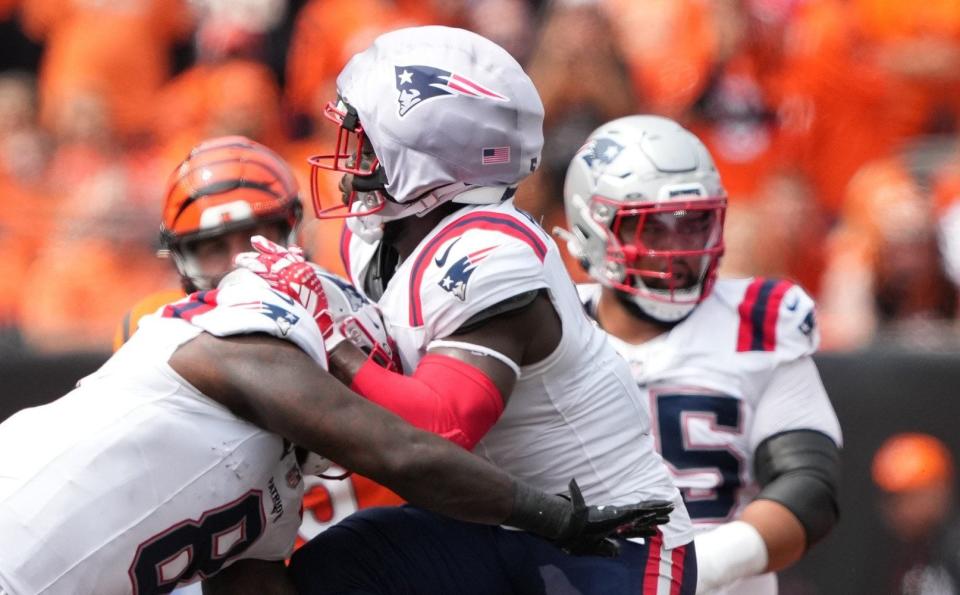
pixel 461 386
pixel 275 385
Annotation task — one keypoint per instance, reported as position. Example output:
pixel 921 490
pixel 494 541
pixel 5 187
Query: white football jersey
pixel 135 482
pixel 576 414
pixel 734 373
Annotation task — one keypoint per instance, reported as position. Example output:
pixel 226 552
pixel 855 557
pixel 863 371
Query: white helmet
pixel 449 116
pixel 645 208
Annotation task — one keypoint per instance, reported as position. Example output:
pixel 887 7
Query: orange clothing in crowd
pixel 745 152
pixel 7 7
pixel 327 33
pixel 669 47
pixel 864 76
pixel 118 51
pixel 885 242
pixel 946 189
pixel 75 292
pixel 233 97
pixel 23 230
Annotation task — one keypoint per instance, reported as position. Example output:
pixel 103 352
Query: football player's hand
pixel 340 310
pixel 288 272
pixel 592 528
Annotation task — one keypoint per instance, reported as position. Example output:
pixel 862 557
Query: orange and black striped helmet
pixel 227 183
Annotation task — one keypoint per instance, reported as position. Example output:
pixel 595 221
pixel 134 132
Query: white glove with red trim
pixel 288 272
pixel 340 311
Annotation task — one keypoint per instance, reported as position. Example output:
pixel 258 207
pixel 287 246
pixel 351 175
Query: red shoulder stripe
pixel 758 314
pixel 499 222
pixel 772 313
pixel 200 302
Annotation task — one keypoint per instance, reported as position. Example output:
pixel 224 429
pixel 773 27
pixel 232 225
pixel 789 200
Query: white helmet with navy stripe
pixel 645 208
pixel 450 116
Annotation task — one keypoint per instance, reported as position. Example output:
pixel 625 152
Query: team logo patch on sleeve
pixel 418 83
pixel 455 280
pixel 284 318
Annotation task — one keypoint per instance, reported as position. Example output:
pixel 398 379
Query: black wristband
pixel 546 515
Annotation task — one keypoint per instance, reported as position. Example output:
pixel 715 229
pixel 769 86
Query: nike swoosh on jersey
pixel 443 259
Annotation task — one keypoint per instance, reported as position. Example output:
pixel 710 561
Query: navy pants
pixel 409 551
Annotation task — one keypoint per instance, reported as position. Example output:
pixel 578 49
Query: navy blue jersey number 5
pixel 725 413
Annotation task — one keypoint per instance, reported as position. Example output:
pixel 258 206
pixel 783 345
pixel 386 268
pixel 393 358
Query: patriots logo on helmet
pixel 356 300
pixel 284 318
pixel 418 83
pixel 458 275
pixel 601 151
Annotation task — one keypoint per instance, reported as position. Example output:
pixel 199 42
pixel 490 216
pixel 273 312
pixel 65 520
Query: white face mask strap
pixel 477 350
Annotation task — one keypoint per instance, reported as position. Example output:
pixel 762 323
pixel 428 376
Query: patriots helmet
pixel 426 116
pixel 645 208
pixel 226 183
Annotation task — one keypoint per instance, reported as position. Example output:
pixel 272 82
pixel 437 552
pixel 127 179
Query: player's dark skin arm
pixel 526 336
pixel 275 385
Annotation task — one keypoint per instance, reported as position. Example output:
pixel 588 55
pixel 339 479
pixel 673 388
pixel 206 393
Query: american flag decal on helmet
pixel 494 155
pixel 418 83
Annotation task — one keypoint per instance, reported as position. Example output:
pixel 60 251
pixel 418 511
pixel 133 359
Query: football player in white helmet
pixel 437 127
pixel 173 463
pixel 740 414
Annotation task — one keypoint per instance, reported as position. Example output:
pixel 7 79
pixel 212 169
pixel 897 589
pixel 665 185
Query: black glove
pixel 590 528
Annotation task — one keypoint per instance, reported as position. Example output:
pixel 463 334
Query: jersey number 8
pixel 202 547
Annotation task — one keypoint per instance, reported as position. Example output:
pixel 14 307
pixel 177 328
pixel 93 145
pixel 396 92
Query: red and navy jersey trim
pixel 199 303
pixel 758 314
pixel 502 223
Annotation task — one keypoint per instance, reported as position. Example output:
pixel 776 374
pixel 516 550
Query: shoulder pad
pixel 245 304
pixel 777 316
pixel 464 274
pixel 145 307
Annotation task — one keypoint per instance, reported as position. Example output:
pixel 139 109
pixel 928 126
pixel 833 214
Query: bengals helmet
pixel 225 184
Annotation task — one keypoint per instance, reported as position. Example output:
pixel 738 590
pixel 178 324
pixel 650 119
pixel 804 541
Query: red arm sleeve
pixel 444 395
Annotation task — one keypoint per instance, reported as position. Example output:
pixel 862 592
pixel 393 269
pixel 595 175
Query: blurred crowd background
pixel 834 124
